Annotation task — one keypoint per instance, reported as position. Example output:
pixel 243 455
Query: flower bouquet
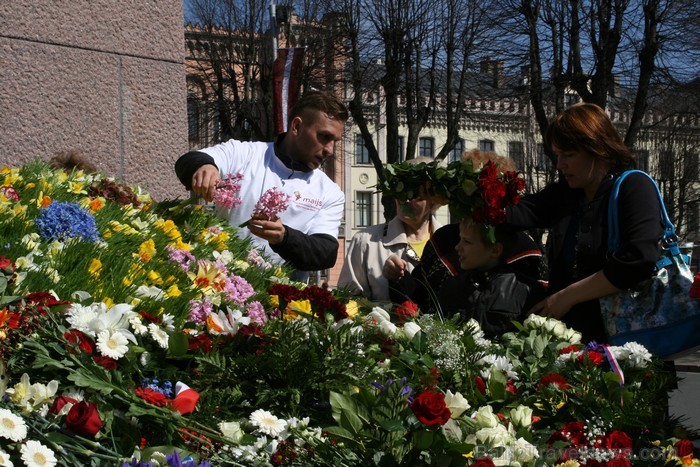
pixel 138 333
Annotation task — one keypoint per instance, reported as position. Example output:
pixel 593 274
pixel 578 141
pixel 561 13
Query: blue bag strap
pixel 670 241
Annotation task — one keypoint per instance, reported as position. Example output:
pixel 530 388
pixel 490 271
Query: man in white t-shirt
pixel 306 234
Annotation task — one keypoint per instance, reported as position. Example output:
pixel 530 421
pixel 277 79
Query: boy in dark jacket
pixel 495 294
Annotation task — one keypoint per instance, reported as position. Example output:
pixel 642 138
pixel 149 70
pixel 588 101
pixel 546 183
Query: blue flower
pixel 60 221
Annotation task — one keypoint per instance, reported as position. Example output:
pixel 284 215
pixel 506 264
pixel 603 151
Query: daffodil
pixel 95 268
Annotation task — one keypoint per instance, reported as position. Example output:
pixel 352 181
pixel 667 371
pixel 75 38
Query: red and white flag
pixel 286 72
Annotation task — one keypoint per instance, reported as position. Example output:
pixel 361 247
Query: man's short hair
pixel 322 101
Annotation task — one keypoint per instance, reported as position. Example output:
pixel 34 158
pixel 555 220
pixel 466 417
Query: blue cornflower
pixel 60 221
pixel 153 383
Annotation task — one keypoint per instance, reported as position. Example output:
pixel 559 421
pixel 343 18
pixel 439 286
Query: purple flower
pixel 237 289
pixel 199 310
pixel 227 189
pixel 256 313
pixel 183 257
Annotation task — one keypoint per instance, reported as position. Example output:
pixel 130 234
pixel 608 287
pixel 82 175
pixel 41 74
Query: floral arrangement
pixel 164 339
pixel 481 195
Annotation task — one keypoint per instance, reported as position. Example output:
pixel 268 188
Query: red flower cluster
pixel 617 443
pixel 497 191
pixel 322 300
pixel 121 194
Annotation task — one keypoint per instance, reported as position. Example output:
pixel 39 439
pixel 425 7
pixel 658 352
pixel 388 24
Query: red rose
pixel 406 310
pixel 107 362
pixel 6 263
pixel 569 349
pixel 510 387
pixel 484 462
pixel 60 402
pixel 619 440
pixel 201 341
pixel 430 408
pixel 480 384
pixel 684 447
pixel 76 337
pixel 84 419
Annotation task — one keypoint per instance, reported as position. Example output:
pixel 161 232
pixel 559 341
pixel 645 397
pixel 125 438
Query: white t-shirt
pixel 316 205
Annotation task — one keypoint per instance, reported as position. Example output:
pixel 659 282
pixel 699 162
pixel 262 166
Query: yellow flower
pixel 155 278
pixel 95 268
pixel 77 188
pixel 126 282
pixel 300 306
pixel 278 272
pixel 170 229
pixel 97 204
pixel 209 278
pixel 180 245
pixel 274 301
pixel 107 234
pixel 351 309
pixel 173 291
pixel 29 186
pixel 569 463
pixel 147 250
pixel 108 301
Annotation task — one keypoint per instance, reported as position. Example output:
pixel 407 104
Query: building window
pixel 361 152
pixel 690 166
pixel 456 152
pixel 193 120
pixel 402 154
pixel 363 208
pixel 642 159
pixel 542 162
pixel 666 165
pixel 425 147
pixel 487 145
pixel 516 152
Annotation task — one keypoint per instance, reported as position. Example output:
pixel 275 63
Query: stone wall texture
pixel 102 77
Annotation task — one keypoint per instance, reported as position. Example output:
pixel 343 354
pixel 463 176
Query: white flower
pixel 224 257
pixel 411 329
pixel 12 426
pixel 5 459
pixel 456 403
pixel 168 321
pixel 158 335
pixel 226 323
pixel 150 292
pixel 388 328
pixel 521 416
pixel 523 451
pixel 497 363
pixel 638 356
pixel 485 417
pixel 35 454
pixel 496 435
pixel 145 358
pixel 267 423
pixel 138 326
pixel 231 430
pixel 80 317
pixel 452 431
pixel 378 315
pixel 112 344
